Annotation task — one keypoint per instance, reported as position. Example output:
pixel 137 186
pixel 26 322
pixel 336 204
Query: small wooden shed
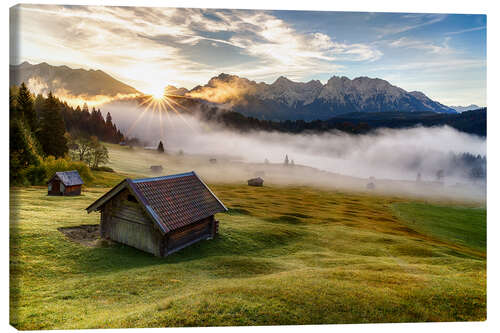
pixel 159 215
pixel 65 183
pixel 370 186
pixel 256 182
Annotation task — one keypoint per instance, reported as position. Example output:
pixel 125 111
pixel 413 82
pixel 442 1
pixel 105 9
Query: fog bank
pixel 390 154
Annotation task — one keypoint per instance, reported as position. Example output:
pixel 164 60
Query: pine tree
pixel 286 160
pixel 52 129
pixel 24 150
pixel 13 102
pixel 25 106
pixel 38 105
pixel 109 120
pixel 110 129
pixel 160 148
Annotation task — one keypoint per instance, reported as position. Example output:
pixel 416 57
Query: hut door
pixel 54 189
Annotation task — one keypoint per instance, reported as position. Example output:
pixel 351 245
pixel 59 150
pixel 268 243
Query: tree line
pixel 46 130
pixel 473 122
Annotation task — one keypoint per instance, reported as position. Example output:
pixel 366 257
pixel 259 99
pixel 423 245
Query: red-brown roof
pixel 68 178
pixel 172 201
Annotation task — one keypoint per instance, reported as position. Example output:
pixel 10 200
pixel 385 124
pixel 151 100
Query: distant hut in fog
pixel 256 182
pixel 65 183
pixel 213 160
pixel 370 186
pixel 156 168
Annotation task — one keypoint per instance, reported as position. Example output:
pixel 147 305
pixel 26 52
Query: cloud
pixel 411 22
pixel 405 42
pixel 466 30
pixel 149 46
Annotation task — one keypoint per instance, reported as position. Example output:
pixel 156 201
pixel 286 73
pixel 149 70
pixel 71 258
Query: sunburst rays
pixel 161 106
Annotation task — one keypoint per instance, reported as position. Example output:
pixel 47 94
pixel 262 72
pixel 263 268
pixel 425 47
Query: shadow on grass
pixel 257 242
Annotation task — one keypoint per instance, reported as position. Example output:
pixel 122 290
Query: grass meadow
pixel 285 255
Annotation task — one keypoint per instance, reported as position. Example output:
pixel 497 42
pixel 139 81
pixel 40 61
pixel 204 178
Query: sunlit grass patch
pixel 460 225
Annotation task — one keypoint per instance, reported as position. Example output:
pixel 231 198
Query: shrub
pixel 36 174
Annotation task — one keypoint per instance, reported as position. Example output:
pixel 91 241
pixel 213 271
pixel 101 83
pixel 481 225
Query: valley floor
pixel 285 255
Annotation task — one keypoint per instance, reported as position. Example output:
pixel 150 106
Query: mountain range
pixel 283 99
pixel 63 80
pixel 288 100
pixel 465 108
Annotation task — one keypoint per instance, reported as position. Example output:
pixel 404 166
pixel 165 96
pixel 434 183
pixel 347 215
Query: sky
pixel 442 55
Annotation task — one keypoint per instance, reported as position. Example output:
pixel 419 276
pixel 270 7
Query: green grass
pixel 458 225
pixel 285 255
pixel 107 179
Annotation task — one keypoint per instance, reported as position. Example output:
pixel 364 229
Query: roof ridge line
pixel 151 179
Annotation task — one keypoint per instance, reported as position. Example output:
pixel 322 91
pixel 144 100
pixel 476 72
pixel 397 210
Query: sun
pixel 158 93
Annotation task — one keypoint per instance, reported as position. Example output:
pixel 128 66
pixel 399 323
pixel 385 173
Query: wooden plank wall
pixel 189 233
pixel 73 190
pixel 125 222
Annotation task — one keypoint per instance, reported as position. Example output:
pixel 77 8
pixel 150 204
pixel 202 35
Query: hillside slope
pixel 284 256
pixel 63 80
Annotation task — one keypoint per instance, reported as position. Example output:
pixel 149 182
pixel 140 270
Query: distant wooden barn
pixel 159 215
pixel 156 168
pixel 65 183
pixel 256 182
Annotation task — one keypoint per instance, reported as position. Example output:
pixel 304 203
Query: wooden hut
pixel 256 182
pixel 65 183
pixel 159 215
pixel 156 168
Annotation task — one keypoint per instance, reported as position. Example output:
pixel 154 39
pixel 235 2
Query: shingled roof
pixel 68 178
pixel 171 201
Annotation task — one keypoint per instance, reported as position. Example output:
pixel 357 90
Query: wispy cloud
pixel 466 30
pixel 409 22
pixel 405 42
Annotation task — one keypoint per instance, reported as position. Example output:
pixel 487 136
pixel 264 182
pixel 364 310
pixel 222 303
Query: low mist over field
pixel 385 154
